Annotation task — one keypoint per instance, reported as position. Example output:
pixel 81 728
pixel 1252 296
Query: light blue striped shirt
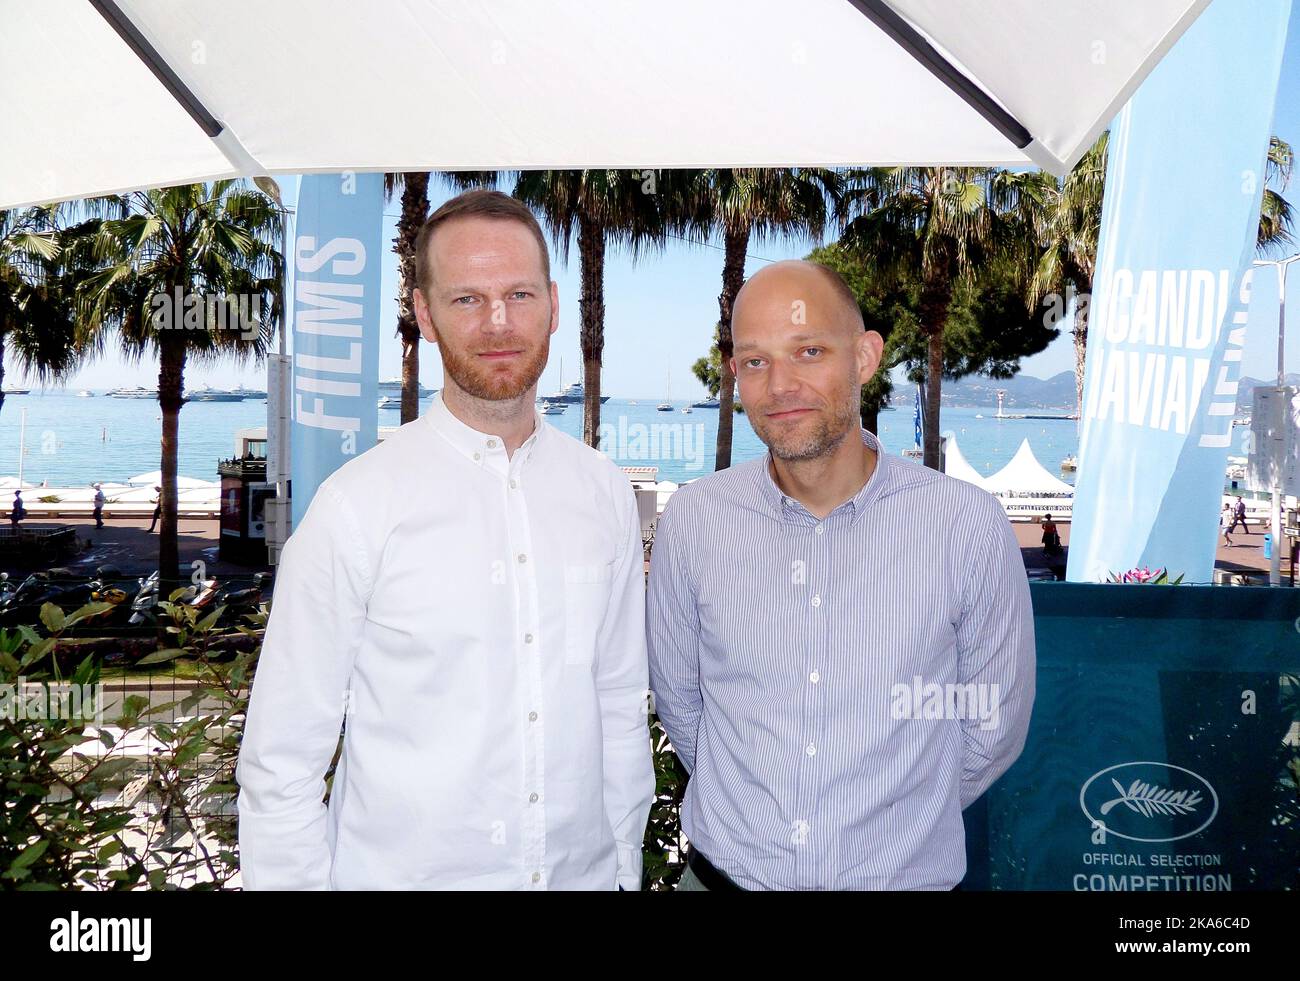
pixel 839 689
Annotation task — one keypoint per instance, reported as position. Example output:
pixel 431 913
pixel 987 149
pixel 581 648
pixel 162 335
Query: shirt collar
pixel 479 448
pixel 783 506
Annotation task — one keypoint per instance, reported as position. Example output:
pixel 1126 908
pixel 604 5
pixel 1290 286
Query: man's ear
pixel 871 351
pixel 422 316
pixel 555 306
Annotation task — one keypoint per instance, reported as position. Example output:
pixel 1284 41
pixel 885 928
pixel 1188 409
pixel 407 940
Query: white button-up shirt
pixel 479 621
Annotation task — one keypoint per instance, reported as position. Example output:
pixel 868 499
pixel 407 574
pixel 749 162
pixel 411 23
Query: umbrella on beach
pixel 110 95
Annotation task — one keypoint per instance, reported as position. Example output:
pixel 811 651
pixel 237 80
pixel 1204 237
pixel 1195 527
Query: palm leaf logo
pixel 1148 799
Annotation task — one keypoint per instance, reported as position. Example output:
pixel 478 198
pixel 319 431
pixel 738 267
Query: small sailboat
pixel 552 409
pixel 85 393
pixel 666 405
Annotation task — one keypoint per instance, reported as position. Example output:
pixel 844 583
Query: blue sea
pixel 72 441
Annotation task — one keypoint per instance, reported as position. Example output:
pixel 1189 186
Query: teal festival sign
pixel 1163 754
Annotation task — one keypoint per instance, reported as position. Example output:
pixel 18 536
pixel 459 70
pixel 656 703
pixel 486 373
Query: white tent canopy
pixel 110 95
pixel 154 477
pixel 1024 475
pixel 955 464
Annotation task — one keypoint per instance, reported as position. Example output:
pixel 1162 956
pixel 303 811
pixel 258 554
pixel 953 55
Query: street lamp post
pixel 276 381
pixel 1275 561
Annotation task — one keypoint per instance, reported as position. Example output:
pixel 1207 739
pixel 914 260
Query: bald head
pixel 797 286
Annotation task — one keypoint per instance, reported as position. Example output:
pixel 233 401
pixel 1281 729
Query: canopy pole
pixel 146 52
pixel 910 40
pixel 225 140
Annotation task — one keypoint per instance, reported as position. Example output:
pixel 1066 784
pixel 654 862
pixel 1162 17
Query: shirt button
pixel 819 529
pixel 522 558
pixel 532 798
pixel 811 750
pixel 514 484
pixel 814 677
pixel 528 638
pixel 532 716
pixel 816 601
pixel 537 877
pixel 478 456
pixel 492 444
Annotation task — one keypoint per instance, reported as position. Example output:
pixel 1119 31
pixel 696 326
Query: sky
pixel 660 311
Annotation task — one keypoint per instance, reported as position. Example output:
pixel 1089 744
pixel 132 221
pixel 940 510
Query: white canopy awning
pixel 955 464
pixel 1025 475
pixel 108 95
pixel 154 477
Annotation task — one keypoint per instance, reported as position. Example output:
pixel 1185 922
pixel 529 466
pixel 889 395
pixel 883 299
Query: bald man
pixel 841 642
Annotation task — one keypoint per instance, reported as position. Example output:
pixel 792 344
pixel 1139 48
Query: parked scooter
pixel 67 590
pixel 206 595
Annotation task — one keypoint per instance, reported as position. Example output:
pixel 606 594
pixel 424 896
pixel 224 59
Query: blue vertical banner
pixel 337 256
pixel 1167 318
pixel 916 419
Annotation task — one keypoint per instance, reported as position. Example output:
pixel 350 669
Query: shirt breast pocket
pixel 586 599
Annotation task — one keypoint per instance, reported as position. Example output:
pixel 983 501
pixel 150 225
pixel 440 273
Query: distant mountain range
pixel 977 391
pixel 1028 392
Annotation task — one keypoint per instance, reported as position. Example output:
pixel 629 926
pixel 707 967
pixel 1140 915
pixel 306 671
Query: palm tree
pixel 1276 221
pixel 415 208
pixel 602 207
pixel 1068 225
pixel 739 205
pixel 215 246
pixel 36 319
pixel 933 227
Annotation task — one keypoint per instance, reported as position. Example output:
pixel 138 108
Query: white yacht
pixel 206 393
pixel 393 387
pixel 573 393
pixel 135 392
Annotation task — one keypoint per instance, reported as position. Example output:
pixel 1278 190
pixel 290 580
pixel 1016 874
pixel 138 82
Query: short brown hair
pixel 478 203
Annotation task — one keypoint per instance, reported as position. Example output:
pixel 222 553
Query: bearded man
pixel 798 602
pixel 469 597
